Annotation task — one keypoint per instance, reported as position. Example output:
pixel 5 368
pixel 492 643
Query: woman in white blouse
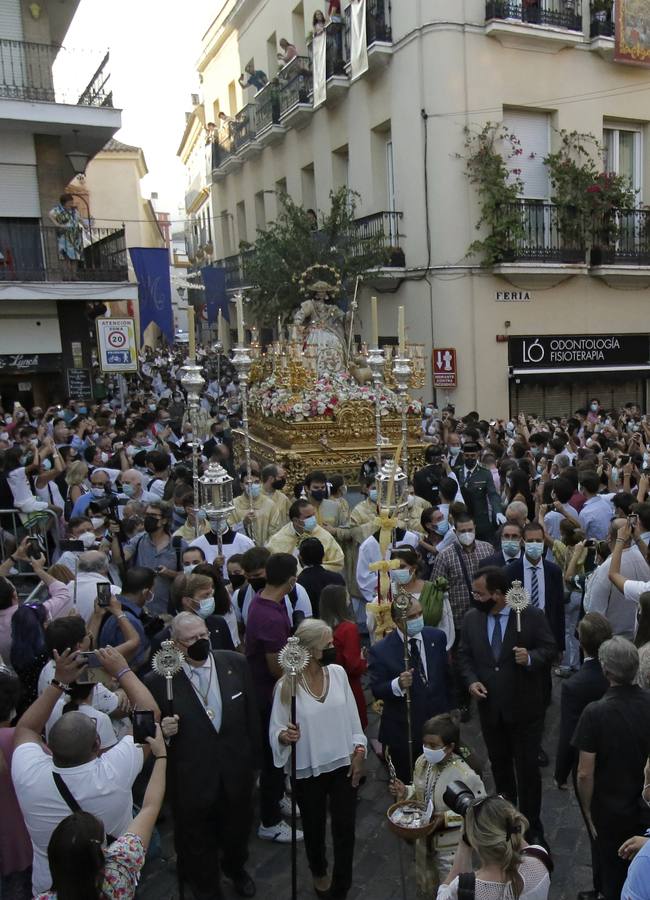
pixel 330 751
pixel 509 868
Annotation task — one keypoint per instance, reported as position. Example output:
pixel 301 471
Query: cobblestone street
pixel 377 875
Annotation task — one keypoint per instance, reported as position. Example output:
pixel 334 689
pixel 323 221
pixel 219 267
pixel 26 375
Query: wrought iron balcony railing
pixel 30 251
pixel 295 83
pixel 42 72
pixel 379 229
pixel 242 128
pixel 602 19
pixel 378 24
pixel 267 112
pixel 557 13
pixel 621 237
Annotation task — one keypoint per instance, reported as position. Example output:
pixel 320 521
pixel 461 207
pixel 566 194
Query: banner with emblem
pixel 151 266
pixel 633 32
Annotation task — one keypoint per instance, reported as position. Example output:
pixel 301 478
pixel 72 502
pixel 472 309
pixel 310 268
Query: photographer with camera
pixel 509 868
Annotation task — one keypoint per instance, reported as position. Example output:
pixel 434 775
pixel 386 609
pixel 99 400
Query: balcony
pixel 379 33
pixel 235 271
pixel 602 27
pixel 268 128
pixel 620 248
pixel 383 229
pixel 31 252
pixel 544 244
pixel 242 130
pixel 547 25
pixel 295 80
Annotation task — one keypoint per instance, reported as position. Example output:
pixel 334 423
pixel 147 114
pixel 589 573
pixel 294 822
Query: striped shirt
pixel 449 566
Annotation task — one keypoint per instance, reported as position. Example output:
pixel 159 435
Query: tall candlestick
pixel 279 329
pixel 220 328
pixel 191 333
pixel 400 329
pixel 375 322
pixel 240 320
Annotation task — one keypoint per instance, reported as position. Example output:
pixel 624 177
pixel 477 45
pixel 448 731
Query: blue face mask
pixel 310 523
pixel 401 576
pixel 414 626
pixel 98 491
pixel 372 495
pixel 253 490
pixel 47 465
pixel 128 490
pixel 510 549
pixel 83 410
pixel 206 607
pixel 534 549
pixel 442 527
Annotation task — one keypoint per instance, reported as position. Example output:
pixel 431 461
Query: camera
pixel 458 797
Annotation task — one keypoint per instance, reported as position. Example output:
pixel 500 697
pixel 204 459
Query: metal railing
pixel 295 80
pixel 378 229
pixel 602 21
pixel 378 24
pixel 222 147
pixel 557 13
pixel 267 112
pixel 542 232
pixel 621 237
pixel 30 251
pixel 242 128
pixel 14 527
pixel 44 72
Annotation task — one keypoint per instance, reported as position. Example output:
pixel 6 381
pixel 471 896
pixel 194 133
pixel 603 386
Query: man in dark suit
pixel 214 741
pixel 426 676
pixel 314 577
pixel 587 685
pixel 504 670
pixel 510 546
pixel 426 481
pixel 477 487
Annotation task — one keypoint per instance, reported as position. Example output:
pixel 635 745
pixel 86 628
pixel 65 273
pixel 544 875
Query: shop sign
pixel 513 296
pixel 19 363
pixel 578 350
pixel 445 373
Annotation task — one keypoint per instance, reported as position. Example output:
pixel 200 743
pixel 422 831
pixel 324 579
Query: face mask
pixel 206 607
pixel 594 407
pixel 428 411
pixel 33 442
pixel 258 584
pixel 97 491
pixel 201 515
pixel 189 568
pixel 253 490
pixel 534 549
pixel 87 539
pixel 470 463
pixel 510 549
pixel 433 756
pixel 151 523
pixel 410 500
pixel 279 484
pixel 104 456
pixel 180 511
pixel 112 422
pixel 318 495
pixel 466 538
pixel 414 626
pixel 128 490
pixel 329 656
pixel 454 451
pixel 83 410
pixel 47 465
pixel 310 523
pixel 218 527
pixel 401 576
pixel 645 536
pixel 372 495
pixel 152 407
pixel 199 651
pixel 485 605
pixel 237 580
pixel 96 522
pixel 442 527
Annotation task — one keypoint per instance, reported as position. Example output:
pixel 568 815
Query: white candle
pixel 220 328
pixel 240 320
pixel 375 322
pixel 191 333
pixel 400 329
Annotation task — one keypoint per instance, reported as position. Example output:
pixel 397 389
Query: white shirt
pixel 369 552
pixel 101 787
pixel 104 725
pixel 240 544
pixel 329 730
pixel 528 578
pixel 535 876
pixel 603 597
pixel 102 699
pixel 87 592
pixel 303 604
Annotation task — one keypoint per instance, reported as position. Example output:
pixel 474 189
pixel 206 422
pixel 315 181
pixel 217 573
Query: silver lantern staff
pixel 242 362
pixel 376 362
pixel 193 382
pixel 402 376
pixel 518 599
pixel 166 662
pixel 293 659
pixel 402 603
pixel 216 498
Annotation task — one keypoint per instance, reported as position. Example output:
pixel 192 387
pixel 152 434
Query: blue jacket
pixel 386 662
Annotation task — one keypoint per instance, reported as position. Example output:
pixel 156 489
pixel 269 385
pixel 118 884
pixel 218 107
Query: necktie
pixel 201 674
pixel 416 659
pixel 497 639
pixel 534 587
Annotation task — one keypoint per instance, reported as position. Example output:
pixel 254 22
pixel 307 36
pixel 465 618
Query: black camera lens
pixel 458 797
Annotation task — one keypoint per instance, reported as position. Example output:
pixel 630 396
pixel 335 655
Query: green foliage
pixel 489 154
pixel 288 246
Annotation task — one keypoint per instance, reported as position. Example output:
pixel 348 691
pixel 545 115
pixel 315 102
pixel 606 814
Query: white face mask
pixel 466 538
pixel 189 568
pixel 87 539
pixel 434 756
pixel 96 522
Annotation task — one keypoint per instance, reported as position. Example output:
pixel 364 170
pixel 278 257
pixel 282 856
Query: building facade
pixel 559 316
pixel 55 116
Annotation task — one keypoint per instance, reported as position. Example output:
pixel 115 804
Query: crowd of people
pixel 106 557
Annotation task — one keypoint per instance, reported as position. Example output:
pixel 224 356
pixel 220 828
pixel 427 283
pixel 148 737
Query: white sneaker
pixel 285 807
pixel 280 833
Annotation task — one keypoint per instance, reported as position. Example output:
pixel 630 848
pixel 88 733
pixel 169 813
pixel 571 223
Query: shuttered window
pixel 19 191
pixel 11 22
pixel 533 131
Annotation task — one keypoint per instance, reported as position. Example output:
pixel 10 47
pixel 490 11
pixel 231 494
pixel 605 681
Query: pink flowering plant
pixel 274 399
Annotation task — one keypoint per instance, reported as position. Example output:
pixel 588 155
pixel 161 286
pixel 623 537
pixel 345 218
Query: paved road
pixel 376 855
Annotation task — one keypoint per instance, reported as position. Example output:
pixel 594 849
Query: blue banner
pixel 214 279
pixel 151 265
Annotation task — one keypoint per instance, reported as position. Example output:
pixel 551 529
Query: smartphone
pixel 625 458
pixel 92 660
pixel 72 546
pixel 104 594
pixel 590 542
pixel 633 519
pixel 143 725
pixel 34 549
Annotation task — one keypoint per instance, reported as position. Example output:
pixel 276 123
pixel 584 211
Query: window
pixel 622 147
pixel 308 187
pixel 225 232
pixel 340 166
pixel 272 63
pixel 281 186
pixel 298 27
pixel 533 131
pixel 232 98
pixel 241 220
pixel 216 109
pixel 260 210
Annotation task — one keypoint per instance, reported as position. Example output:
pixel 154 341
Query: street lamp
pixel 77 158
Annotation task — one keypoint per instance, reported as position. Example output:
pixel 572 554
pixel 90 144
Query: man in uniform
pixel 479 493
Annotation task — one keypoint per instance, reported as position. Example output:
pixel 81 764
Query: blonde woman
pixel 76 477
pixel 509 868
pixel 330 751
